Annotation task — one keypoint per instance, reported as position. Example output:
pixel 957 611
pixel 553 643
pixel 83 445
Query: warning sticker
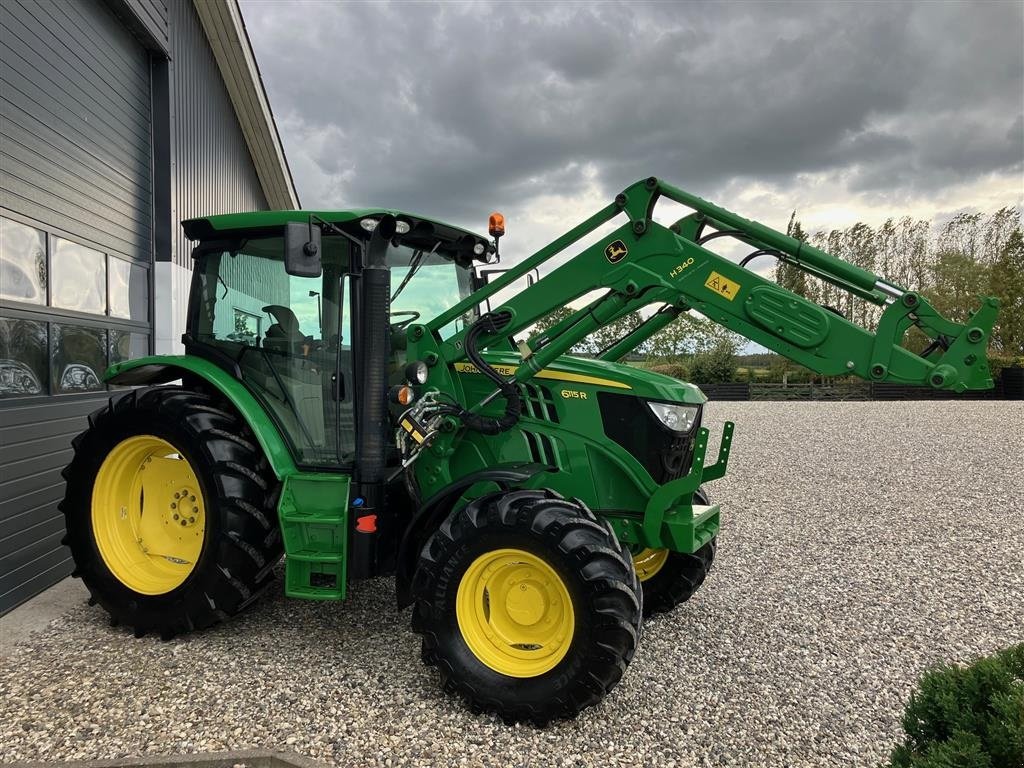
pixel 723 286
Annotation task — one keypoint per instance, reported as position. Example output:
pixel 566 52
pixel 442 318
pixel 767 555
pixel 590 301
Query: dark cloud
pixel 457 108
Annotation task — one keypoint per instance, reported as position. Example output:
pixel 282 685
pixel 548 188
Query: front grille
pixel 629 422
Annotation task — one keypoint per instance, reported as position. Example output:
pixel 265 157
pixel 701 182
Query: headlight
pixel 678 418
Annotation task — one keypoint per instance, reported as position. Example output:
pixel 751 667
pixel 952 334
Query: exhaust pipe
pixel 371 522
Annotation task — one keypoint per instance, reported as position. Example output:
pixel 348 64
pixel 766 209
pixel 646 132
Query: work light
pixel 416 372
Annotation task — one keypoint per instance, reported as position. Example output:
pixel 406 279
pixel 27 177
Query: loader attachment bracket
pixel 671 519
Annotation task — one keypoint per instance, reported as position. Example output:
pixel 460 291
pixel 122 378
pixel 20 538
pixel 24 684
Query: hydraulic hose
pixel 491 323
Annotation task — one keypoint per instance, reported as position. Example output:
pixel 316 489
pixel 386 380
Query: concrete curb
pixel 253 758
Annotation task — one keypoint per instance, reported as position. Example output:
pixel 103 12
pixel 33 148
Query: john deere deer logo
pixel 616 252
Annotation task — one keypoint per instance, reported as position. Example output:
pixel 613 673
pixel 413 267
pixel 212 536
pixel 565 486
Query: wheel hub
pixel 148 514
pixel 515 613
pixel 526 604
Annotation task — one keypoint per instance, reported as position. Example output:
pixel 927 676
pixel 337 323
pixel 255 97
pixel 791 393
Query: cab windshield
pixel 426 284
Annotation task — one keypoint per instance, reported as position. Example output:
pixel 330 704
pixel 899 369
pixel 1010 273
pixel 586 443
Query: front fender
pixel 435 509
pixel 161 369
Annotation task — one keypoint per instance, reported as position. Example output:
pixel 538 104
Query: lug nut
pixel 191 519
pixel 175 515
pixel 177 495
pixel 184 523
pixel 173 505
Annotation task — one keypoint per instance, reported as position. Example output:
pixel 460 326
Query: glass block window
pixel 79 277
pixel 24 358
pixel 129 290
pixel 22 262
pixel 78 358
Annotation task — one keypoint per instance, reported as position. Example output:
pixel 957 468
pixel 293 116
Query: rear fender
pixel 162 369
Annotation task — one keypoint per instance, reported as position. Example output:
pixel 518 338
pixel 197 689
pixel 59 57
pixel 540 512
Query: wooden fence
pixel 1004 390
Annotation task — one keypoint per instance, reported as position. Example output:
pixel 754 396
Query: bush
pixel 716 366
pixel 675 370
pixel 967 717
pixel 998 363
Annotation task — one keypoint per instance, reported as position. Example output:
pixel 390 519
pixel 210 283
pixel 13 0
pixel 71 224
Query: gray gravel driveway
pixel 861 542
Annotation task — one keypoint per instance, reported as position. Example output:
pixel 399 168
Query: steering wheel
pixel 410 316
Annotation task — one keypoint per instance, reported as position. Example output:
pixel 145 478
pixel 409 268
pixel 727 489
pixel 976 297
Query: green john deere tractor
pixel 349 398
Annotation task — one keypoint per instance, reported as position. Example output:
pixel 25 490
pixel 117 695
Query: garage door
pixel 75 255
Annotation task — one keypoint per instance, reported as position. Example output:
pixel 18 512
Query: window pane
pixel 79 358
pixel 286 334
pixel 22 357
pixel 125 345
pixel 79 277
pixel 247 327
pixel 22 262
pixel 129 290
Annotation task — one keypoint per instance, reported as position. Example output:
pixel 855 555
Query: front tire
pixel 670 578
pixel 170 511
pixel 528 606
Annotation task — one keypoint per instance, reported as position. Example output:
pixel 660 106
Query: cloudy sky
pixel 844 111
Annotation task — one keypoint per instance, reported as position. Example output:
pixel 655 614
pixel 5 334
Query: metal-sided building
pixel 118 119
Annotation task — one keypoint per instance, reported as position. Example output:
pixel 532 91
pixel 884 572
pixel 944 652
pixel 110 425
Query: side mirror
pixel 302 248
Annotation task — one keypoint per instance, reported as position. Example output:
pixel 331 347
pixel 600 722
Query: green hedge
pixel 967 717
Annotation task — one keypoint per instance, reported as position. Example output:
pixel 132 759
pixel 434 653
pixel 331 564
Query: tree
pixel 959 280
pixel 597 341
pixel 548 322
pixel 789 277
pixel 1006 283
pixel 861 250
pixel 689 334
pixel 604 337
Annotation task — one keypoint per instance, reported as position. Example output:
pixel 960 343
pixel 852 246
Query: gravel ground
pixel 861 543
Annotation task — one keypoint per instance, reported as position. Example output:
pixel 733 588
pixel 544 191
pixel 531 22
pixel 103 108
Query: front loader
pixel 344 400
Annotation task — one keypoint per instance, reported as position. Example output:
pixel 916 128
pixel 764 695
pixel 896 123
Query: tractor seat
pixel 284 335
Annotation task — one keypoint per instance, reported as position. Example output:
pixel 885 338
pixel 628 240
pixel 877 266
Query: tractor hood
pixel 617 377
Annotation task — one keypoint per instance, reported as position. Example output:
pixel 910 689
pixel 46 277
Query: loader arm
pixel 643 263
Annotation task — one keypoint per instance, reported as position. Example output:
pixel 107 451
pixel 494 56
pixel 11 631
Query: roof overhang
pixel 225 31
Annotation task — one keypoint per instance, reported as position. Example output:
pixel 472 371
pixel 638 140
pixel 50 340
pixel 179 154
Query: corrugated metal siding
pixel 35 445
pixel 152 14
pixel 75 122
pixel 212 169
pixel 75 156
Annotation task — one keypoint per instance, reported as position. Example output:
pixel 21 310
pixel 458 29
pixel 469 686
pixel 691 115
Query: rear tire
pixel 240 537
pixel 504 654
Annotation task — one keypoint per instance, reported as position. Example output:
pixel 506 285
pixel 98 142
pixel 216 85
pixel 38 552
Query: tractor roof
pixel 212 226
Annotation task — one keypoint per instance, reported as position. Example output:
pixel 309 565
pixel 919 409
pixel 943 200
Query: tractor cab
pixel 294 339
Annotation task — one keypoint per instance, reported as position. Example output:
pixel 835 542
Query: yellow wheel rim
pixel 647 562
pixel 148 515
pixel 515 613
